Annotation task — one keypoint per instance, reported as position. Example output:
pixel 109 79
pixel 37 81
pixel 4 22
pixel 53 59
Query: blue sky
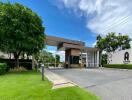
pixel 60 22
pixel 82 19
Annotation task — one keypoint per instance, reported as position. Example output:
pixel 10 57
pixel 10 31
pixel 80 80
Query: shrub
pixel 121 66
pixel 3 68
pixel 22 62
pixel 18 69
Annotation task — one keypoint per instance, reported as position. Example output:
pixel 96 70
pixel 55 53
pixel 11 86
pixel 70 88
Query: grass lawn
pixel 28 86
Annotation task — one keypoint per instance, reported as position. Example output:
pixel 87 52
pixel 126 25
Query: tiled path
pixel 58 81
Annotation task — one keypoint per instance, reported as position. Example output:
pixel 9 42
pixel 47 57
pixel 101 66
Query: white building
pixel 90 59
pixel 120 57
pixel 3 55
pixel 10 56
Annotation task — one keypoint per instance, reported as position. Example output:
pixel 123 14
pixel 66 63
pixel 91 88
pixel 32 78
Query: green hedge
pixel 26 63
pixel 3 68
pixel 120 66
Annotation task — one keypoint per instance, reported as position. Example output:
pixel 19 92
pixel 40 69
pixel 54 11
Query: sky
pixel 82 19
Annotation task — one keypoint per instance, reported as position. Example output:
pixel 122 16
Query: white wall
pixel 3 55
pixel 7 56
pixel 117 57
pixel 93 59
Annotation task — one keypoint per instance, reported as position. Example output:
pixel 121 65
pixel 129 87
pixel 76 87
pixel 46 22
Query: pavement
pixel 57 80
pixel 109 84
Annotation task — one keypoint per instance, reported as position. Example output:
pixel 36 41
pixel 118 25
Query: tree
pixel 112 42
pixel 57 58
pixel 100 45
pixel 45 57
pixel 21 30
pixel 104 59
pixel 123 42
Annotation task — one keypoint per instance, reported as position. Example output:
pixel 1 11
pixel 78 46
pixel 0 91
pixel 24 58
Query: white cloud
pixel 93 45
pixel 107 15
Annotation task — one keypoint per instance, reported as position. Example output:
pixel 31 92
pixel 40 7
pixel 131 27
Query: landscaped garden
pixel 29 86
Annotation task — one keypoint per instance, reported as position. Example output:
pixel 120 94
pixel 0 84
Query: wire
pixel 123 21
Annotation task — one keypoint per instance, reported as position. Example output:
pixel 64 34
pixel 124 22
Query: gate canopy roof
pixel 55 41
pixel 63 44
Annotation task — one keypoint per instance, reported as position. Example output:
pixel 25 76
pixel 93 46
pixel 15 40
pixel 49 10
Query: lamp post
pixel 42 71
pixel 55 60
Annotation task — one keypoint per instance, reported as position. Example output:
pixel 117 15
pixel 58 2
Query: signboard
pixel 126 58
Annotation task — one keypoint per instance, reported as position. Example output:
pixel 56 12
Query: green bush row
pixel 3 68
pixel 120 66
pixel 22 62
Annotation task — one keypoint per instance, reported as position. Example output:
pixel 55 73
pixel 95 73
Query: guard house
pixel 76 54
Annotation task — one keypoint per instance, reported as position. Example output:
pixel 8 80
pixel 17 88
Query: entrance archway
pixel 73 52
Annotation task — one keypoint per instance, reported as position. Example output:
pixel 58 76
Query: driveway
pixel 109 84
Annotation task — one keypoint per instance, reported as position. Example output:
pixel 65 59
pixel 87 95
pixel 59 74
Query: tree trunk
pixel 100 58
pixel 10 56
pixel 16 61
pixel 16 56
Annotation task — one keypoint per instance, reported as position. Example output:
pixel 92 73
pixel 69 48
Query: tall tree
pixel 21 30
pixel 123 42
pixel 113 42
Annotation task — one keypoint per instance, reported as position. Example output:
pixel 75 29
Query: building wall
pixel 117 57
pixel 7 56
pixel 75 52
pixel 68 54
pixel 92 59
pixel 3 55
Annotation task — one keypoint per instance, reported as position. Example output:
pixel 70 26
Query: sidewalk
pixel 58 81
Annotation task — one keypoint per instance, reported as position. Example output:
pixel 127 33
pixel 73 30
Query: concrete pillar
pixel 80 58
pixel 97 58
pixel 86 59
pixel 67 58
pixel 94 59
pixel 95 62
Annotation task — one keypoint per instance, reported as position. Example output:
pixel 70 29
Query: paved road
pixel 109 84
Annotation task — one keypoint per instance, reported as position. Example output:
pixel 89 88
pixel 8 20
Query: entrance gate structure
pixel 76 53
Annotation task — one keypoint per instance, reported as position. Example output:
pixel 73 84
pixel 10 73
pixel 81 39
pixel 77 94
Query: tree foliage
pixel 43 56
pixel 47 58
pixel 104 59
pixel 57 58
pixel 21 30
pixel 112 42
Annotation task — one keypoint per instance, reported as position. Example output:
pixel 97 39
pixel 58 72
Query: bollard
pixel 42 71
